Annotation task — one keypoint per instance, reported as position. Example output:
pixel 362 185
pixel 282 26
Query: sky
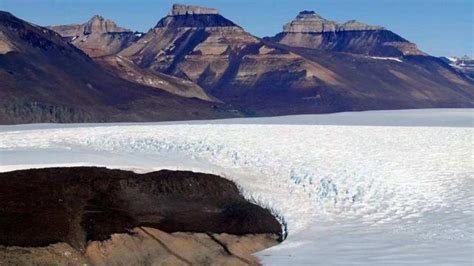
pixel 438 27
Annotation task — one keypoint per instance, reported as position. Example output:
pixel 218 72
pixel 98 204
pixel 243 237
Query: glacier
pixel 358 188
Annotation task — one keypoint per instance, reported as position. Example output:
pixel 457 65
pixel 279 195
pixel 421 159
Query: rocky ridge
pixel 148 246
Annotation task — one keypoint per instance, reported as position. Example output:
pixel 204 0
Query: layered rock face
pixel 148 246
pixel 44 79
pixel 310 30
pixel 97 37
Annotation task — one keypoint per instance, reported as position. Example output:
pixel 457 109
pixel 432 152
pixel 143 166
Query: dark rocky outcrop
pixel 39 207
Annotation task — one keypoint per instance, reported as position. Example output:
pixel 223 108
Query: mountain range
pixel 196 64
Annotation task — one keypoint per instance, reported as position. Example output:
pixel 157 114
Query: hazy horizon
pixel 440 28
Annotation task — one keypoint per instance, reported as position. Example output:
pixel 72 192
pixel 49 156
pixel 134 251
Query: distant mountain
pixel 97 37
pixel 317 66
pixel 310 30
pixel 263 77
pixel 463 64
pixel 102 40
pixel 44 79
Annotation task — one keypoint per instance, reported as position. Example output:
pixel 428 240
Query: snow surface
pixel 378 190
pixel 387 58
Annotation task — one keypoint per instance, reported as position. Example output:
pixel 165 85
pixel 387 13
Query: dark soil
pixel 39 207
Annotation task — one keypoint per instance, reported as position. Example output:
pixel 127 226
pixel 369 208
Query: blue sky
pixel 439 27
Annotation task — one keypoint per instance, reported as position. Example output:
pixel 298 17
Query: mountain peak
pixel 97 37
pixel 97 17
pixel 309 15
pixel 185 16
pixel 98 24
pixel 309 21
pixel 179 10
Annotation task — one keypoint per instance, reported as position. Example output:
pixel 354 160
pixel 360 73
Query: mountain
pixel 264 77
pixel 102 40
pixel 97 37
pixel 44 79
pixel 191 40
pixel 197 53
pixel 310 30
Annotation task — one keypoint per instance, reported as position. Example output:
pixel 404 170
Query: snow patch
pixel 387 58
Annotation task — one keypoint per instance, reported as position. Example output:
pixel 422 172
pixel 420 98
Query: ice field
pixel 362 188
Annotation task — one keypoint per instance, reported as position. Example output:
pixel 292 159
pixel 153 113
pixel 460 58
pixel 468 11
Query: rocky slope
pixel 86 212
pixel 44 79
pixel 126 69
pixel 310 30
pixel 262 77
